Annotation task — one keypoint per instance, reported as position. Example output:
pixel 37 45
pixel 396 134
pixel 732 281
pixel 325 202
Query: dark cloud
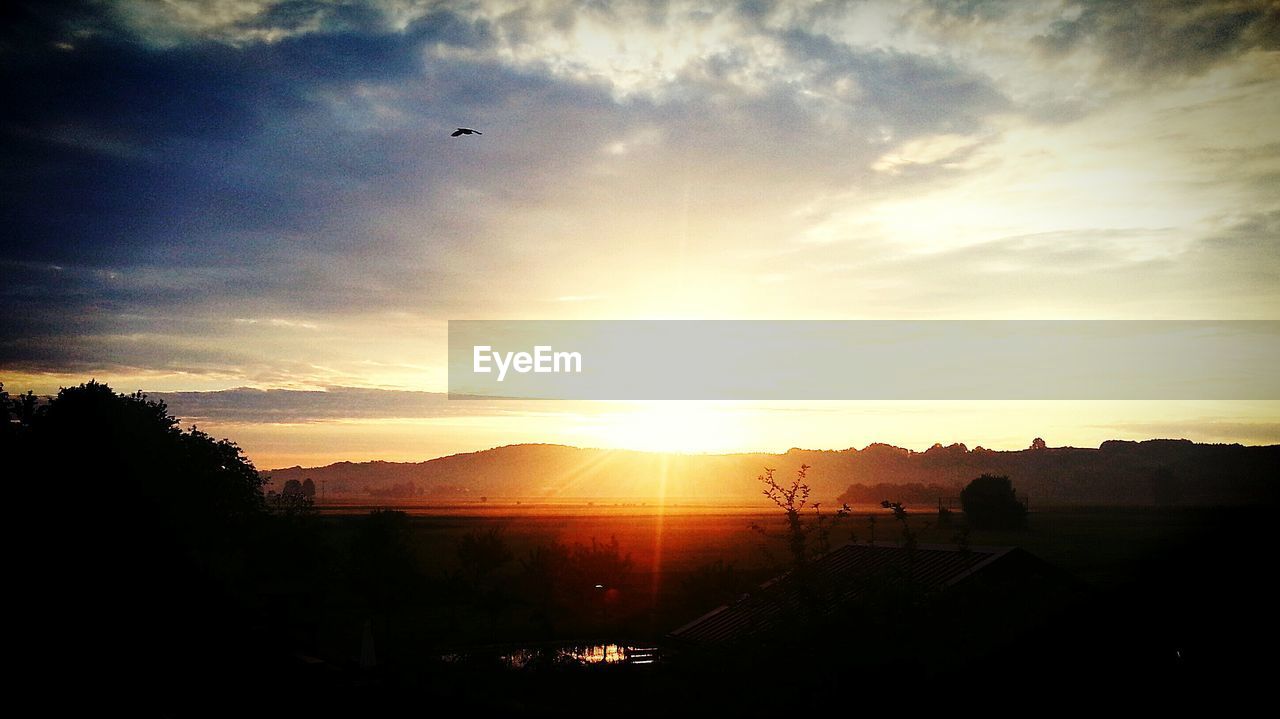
pixel 910 93
pixel 1247 253
pixel 113 147
pixel 117 152
pixel 299 16
pixel 1167 37
pixel 974 10
pixel 278 405
pixel 84 355
pixel 31 29
pixel 247 405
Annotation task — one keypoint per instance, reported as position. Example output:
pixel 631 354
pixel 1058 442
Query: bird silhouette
pixel 465 131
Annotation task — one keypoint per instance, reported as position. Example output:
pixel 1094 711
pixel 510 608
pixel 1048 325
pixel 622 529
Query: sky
pixel 259 201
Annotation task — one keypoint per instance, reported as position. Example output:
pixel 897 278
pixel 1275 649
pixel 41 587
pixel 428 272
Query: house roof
pixel 840 573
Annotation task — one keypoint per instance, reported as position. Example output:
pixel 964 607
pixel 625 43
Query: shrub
pixel 990 502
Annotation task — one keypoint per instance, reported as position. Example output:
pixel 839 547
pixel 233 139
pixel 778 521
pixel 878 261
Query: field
pixel 1100 546
pixel 1155 586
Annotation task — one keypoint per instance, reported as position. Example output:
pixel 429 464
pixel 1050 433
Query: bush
pixel 990 502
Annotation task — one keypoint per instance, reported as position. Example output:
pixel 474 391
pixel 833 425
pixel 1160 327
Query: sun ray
pixel 664 470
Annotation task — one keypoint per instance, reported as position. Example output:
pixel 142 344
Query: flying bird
pixel 465 131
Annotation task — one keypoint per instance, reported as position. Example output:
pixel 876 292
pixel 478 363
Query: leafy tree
pixel 294 499
pixel 148 528
pixel 126 453
pixel 991 502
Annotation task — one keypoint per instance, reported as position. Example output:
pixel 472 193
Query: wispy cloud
pixel 264 192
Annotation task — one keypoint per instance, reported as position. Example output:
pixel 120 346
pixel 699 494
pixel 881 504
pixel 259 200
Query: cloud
pixel 186 152
pixel 1202 429
pixel 909 93
pixel 204 140
pixel 1242 259
pixel 258 21
pixel 266 190
pixel 927 150
pixel 248 405
pixel 1165 38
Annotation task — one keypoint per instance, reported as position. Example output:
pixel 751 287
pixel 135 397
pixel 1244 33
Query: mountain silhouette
pixel 1165 472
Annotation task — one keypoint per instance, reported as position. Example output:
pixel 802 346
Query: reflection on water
pixel 585 654
pixel 609 654
pixel 572 655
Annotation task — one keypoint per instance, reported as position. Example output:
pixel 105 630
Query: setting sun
pixel 668 426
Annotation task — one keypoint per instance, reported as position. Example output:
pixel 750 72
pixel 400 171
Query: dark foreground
pixel 390 612
pixel 150 573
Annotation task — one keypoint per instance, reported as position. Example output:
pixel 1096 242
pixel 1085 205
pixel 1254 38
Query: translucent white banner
pixel 859 359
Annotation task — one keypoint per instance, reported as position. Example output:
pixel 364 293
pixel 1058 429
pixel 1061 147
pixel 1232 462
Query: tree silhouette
pixel 7 430
pixel 900 515
pixel 990 502
pixel 543 582
pixel 807 533
pixel 481 553
pixel 291 500
pixel 572 585
pixel 154 528
pixel 384 568
pixel 601 565
pixel 129 452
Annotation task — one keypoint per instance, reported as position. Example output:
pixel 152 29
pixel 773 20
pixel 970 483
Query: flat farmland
pixel 1098 545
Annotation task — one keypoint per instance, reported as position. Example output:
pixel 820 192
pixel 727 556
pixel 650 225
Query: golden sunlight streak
pixel 664 471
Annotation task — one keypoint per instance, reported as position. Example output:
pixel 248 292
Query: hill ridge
pixel 1154 471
